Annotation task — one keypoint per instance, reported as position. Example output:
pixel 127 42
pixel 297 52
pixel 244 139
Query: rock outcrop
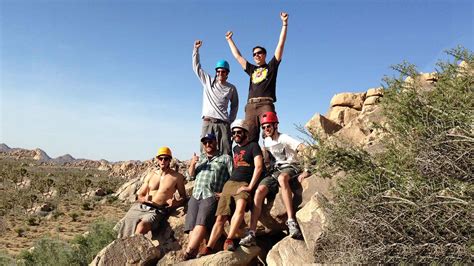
pixel 242 256
pixel 41 156
pixel 67 158
pixel 136 250
pixel 289 251
pixel 4 147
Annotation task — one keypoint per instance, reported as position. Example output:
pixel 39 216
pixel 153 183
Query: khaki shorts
pixel 225 201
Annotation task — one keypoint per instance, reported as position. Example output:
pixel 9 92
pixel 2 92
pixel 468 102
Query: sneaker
pixel 203 252
pixel 293 230
pixel 229 245
pixel 189 255
pixel 248 241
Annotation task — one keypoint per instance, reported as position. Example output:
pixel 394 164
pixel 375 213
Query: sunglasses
pixel 258 52
pixel 266 126
pixel 237 132
pixel 207 142
pixel 164 158
pixel 221 71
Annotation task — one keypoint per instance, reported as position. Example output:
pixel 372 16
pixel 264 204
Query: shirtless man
pixel 155 197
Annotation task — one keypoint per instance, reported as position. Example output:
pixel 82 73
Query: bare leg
pixel 195 237
pixel 260 194
pixel 143 228
pixel 283 180
pixel 217 230
pixel 237 217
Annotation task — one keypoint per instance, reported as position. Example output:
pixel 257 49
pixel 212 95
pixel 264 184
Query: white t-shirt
pixel 283 149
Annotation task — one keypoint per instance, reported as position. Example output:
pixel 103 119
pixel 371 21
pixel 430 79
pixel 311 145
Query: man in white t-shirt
pixel 283 150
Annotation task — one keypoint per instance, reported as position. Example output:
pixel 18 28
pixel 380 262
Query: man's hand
pixel 228 35
pixel 194 159
pixel 302 176
pixel 197 44
pixel 284 18
pixel 141 199
pixel 173 202
pixel 243 188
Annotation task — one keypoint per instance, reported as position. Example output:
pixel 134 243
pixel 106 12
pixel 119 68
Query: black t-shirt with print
pixel 263 79
pixel 244 161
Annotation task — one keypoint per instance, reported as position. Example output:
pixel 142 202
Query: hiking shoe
pixel 248 241
pixel 189 255
pixel 293 230
pixel 229 245
pixel 203 252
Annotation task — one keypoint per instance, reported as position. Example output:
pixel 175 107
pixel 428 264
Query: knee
pixel 283 179
pixel 220 220
pixel 261 192
pixel 143 228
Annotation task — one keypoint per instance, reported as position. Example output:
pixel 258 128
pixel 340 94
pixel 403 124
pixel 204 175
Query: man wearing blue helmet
pixel 217 93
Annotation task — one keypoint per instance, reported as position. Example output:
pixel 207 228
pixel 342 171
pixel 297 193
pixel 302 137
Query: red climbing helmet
pixel 268 117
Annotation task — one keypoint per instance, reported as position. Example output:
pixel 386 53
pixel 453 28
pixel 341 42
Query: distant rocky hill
pixel 4 147
pixel 125 169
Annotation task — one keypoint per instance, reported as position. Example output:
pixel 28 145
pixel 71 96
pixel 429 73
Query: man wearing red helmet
pixel 283 150
pixel 262 87
pixel 217 93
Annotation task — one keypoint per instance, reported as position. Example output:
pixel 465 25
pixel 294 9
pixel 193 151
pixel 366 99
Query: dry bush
pixel 414 202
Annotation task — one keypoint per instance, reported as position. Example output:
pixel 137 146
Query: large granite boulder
pixel 312 219
pixel 242 256
pixel 136 250
pixel 274 215
pixel 321 126
pixel 342 115
pixel 289 251
pixel 352 100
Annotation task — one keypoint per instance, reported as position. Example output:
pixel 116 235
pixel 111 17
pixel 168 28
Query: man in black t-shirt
pixel 262 88
pixel 248 165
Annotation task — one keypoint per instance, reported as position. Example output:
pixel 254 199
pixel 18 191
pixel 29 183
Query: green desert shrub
pixel 49 251
pixel 81 250
pixel 100 234
pixel 413 203
pixel 6 259
pixel 74 216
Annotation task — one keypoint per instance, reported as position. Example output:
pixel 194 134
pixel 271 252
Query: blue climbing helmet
pixel 223 64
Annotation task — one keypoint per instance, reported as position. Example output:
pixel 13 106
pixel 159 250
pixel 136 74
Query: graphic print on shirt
pixel 259 75
pixel 239 159
pixel 278 151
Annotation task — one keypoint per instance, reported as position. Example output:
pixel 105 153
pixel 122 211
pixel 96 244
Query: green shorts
pixel 271 180
pixel 228 193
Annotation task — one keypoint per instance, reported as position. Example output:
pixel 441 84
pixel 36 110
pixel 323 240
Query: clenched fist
pixel 284 17
pixel 197 43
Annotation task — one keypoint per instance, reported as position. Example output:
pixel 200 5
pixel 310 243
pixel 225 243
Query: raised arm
pixel 235 51
pixel 281 41
pixel 192 167
pixel 203 76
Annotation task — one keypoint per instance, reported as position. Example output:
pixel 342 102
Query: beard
pixel 240 139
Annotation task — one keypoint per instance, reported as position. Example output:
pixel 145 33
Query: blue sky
pixel 113 79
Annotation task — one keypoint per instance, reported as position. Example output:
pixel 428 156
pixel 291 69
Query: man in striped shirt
pixel 217 93
pixel 210 170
